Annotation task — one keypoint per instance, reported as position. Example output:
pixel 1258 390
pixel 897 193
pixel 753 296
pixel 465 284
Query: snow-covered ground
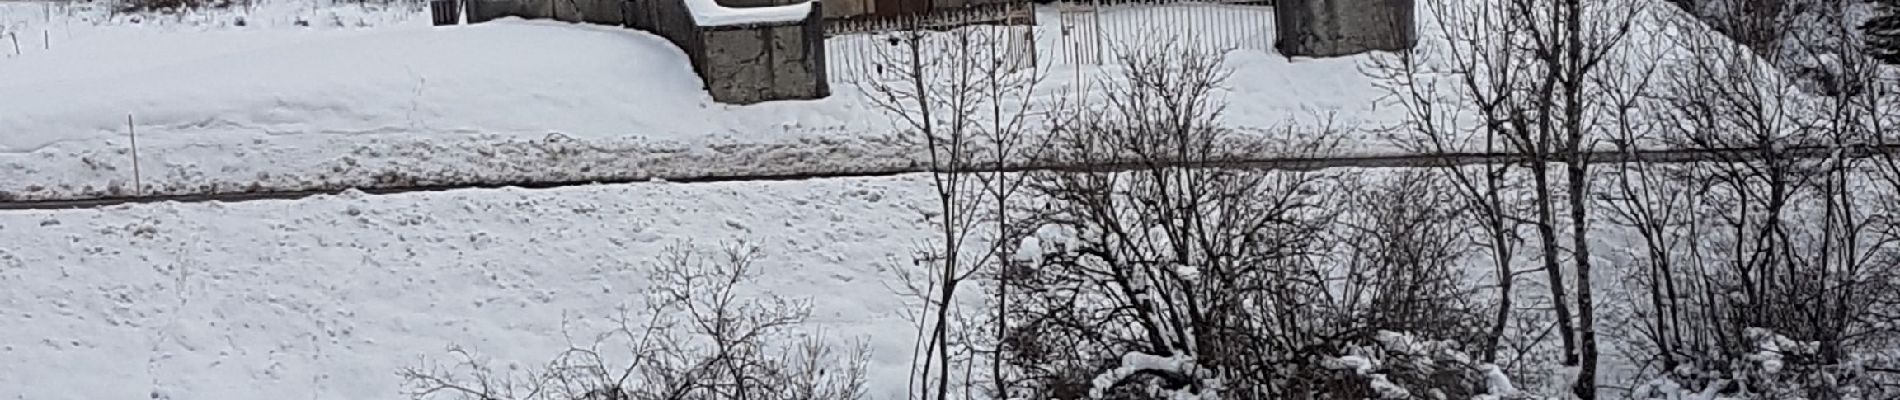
pixel 327 297
pixel 376 97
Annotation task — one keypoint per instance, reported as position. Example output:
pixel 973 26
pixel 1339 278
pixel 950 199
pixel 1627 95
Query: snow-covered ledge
pixel 708 13
pixel 766 53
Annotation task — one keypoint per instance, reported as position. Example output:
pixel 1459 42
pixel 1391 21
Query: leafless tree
pixel 1524 76
pixel 976 112
pixel 1429 84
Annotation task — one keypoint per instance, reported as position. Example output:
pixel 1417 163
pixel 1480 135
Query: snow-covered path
pixel 1423 160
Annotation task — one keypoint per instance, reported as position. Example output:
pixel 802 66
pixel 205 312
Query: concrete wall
pixel 1332 28
pixel 605 12
pixel 847 8
pixel 738 64
pixel 750 65
pixel 489 10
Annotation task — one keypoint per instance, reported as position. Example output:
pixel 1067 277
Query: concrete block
pixel 1332 28
pixel 488 10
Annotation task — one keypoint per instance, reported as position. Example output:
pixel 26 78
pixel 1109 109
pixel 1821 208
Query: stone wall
pixel 1332 28
pixel 739 64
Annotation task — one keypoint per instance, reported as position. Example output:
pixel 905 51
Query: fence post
pixel 818 63
pixel 1100 59
pixel 445 12
pixel 138 182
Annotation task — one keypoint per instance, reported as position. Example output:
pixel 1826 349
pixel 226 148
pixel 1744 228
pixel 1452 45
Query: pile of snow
pixel 289 109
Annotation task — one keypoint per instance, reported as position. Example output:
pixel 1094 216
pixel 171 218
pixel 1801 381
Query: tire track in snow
pixel 1417 160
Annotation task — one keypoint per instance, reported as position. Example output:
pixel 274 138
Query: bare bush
pixel 1182 278
pixel 1405 248
pixel 703 339
pixel 1163 260
pixel 1394 365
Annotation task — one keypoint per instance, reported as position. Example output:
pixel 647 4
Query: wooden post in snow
pixel 138 183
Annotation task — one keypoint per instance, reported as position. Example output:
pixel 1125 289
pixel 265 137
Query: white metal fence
pixel 1092 33
pixel 1076 33
pixel 857 50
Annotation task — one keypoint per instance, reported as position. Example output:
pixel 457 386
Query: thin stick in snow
pixel 16 42
pixel 138 184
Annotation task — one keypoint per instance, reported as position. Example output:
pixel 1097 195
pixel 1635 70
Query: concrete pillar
pixel 1332 28
pixel 488 10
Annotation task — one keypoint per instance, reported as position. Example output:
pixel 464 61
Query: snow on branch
pixel 1177 375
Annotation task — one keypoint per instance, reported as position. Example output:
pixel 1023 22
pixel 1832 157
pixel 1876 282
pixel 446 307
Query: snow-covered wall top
pixel 708 13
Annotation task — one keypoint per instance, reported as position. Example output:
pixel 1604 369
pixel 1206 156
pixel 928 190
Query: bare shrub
pixel 1160 261
pixel 1181 277
pixel 1394 365
pixel 703 339
pixel 1405 244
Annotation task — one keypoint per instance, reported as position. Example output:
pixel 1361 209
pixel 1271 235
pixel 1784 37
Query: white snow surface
pixel 368 99
pixel 709 13
pixel 327 297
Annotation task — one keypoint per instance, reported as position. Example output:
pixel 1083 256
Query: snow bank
pixel 226 110
pixel 509 76
pixel 709 13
